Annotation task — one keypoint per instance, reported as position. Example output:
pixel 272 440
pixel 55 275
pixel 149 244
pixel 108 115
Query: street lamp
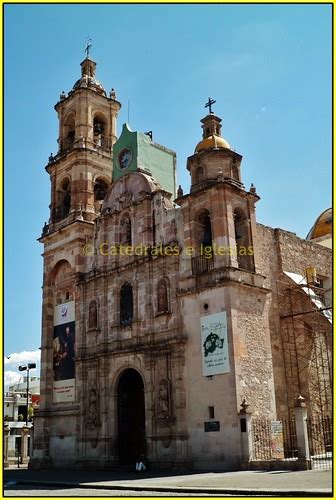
pixel 23 368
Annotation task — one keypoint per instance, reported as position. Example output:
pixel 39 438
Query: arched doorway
pixel 131 417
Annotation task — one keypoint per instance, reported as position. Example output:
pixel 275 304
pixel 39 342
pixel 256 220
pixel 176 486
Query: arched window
pixel 199 174
pixel 61 277
pixel 93 314
pixel 243 241
pixel 126 304
pixel 100 189
pixel 204 232
pixel 99 131
pixel 61 273
pixel 162 296
pixel 63 200
pixel 125 230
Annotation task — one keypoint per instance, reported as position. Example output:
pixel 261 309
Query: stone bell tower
pixel 219 210
pixel 221 286
pixel 80 174
pixel 81 170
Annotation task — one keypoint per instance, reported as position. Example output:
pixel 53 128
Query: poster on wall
pixel 64 353
pixel 277 445
pixel 215 353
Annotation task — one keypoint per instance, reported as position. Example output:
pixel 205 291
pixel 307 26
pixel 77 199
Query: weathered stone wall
pixel 294 338
pixel 220 449
pixel 253 356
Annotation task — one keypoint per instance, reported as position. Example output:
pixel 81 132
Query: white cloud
pixel 18 358
pixel 262 109
pixel 11 378
pixel 14 360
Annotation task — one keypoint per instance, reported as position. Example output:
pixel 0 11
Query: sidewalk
pixel 289 483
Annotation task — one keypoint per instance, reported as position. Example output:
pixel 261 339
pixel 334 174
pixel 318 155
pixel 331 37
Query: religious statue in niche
pixel 163 405
pixel 93 314
pixel 92 413
pixel 126 231
pixel 172 231
pixel 162 294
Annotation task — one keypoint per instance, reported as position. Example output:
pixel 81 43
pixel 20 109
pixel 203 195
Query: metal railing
pixel 273 439
pixel 320 438
pixel 103 142
pixel 60 213
pixel 66 144
pixel 202 264
pixel 99 142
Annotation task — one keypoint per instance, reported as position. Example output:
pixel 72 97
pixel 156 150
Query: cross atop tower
pixel 209 103
pixel 88 47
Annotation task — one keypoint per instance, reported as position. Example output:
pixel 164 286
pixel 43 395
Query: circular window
pixel 125 157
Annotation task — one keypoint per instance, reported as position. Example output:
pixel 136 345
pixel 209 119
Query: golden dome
pixel 322 226
pixel 213 141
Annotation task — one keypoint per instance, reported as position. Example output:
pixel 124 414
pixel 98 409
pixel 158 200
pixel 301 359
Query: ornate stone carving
pixel 125 199
pixel 125 231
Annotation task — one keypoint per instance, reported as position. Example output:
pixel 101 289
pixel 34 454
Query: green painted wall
pixel 148 157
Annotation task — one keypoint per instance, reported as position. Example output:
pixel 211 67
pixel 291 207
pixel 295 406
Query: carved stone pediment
pixel 129 189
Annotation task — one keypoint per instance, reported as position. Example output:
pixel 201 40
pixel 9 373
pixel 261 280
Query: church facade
pixel 164 312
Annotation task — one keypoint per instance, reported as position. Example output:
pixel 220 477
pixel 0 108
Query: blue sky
pixel 268 67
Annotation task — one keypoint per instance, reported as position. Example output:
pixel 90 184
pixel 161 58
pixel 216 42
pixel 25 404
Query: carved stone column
pixel 245 435
pixel 24 445
pixel 6 438
pixel 302 432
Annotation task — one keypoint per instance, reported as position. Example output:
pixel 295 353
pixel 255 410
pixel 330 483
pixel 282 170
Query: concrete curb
pixel 324 492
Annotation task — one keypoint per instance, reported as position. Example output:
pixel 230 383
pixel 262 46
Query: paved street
pixel 121 483
pixel 25 491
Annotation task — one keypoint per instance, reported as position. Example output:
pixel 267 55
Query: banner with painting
pixel 64 353
pixel 215 353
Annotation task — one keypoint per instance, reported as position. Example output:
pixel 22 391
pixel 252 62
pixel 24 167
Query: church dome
pixel 89 82
pixel 88 79
pixel 213 141
pixel 322 227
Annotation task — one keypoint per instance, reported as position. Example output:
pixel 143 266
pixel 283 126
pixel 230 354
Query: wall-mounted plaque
pixel 213 426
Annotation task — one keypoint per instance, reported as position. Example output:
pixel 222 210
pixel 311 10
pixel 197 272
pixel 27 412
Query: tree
pixel 30 412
